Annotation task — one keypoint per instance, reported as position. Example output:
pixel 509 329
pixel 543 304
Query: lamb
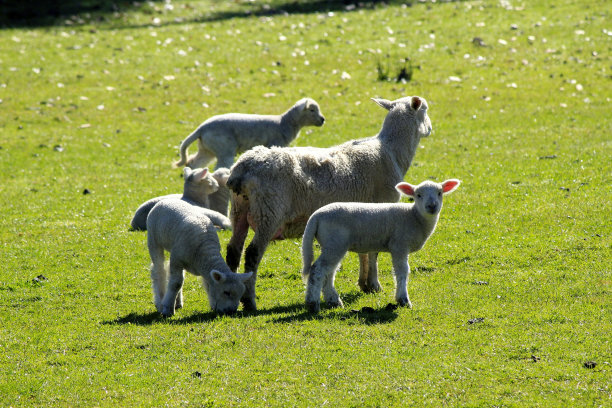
pixel 400 229
pixel 275 190
pixel 188 234
pixel 223 136
pixel 201 189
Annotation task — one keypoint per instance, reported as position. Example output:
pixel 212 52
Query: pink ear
pixel 449 186
pixel 406 189
pixel 415 103
pixel 203 173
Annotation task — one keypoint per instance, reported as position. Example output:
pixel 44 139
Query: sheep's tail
pixel 307 247
pixel 184 145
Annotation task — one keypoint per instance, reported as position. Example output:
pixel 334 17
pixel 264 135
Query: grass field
pixel 512 294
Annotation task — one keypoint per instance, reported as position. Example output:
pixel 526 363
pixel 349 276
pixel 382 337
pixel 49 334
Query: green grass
pixel 524 123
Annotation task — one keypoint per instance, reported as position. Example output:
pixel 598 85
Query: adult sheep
pixel 275 190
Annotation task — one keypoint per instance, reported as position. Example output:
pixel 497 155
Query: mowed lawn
pixel 511 296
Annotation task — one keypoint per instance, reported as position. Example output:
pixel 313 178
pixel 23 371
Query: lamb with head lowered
pixel 191 238
pixel 275 190
pixel 223 136
pixel 398 228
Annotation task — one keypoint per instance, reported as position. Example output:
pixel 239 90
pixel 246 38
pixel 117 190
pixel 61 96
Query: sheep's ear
pixel 217 276
pixel 406 189
pixel 415 103
pixel 203 173
pixel 387 104
pixel 187 173
pixel 245 276
pixel 449 186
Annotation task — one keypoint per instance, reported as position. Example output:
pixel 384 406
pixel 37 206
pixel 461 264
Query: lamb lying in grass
pixel 361 227
pixel 200 189
pixel 274 191
pixel 223 136
pixel 186 232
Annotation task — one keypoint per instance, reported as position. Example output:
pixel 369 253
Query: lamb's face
pixel 200 180
pixel 225 291
pixel 311 114
pixel 428 198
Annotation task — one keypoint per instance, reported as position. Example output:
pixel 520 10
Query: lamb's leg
pixel 402 272
pixel 330 295
pixel 179 297
pixel 200 159
pixel 240 230
pixel 321 277
pixel 223 195
pixel 159 273
pixel 175 284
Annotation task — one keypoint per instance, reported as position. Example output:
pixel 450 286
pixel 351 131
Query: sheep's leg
pixel 240 226
pixel 159 273
pixel 321 277
pixel 175 284
pixel 363 272
pixel 368 272
pixel 402 272
pixel 252 258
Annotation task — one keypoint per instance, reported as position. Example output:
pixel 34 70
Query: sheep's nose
pixel 432 208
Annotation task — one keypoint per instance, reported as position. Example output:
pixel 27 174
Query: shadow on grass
pixel 40 13
pixel 294 312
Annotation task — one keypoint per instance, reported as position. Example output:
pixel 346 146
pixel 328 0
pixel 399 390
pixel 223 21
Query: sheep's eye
pixel 227 293
pixel 419 196
pixel 439 194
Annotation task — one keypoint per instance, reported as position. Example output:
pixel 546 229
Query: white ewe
pixel 223 136
pixel 186 232
pixel 200 189
pixel 364 228
pixel 276 190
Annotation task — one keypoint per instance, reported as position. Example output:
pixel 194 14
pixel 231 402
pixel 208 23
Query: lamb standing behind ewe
pixel 200 189
pixel 274 191
pixel 186 232
pixel 364 227
pixel 223 136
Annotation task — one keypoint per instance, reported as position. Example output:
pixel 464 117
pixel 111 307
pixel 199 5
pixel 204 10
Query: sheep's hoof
pixel 313 307
pixel 167 312
pixel 367 287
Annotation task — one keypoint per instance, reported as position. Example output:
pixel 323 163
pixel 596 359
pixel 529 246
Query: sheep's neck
pixel 427 224
pixel 401 139
pixel 290 126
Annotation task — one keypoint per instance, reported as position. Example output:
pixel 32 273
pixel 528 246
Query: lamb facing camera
pixel 400 229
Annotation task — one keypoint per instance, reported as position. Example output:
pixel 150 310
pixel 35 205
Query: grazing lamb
pixel 200 189
pixel 186 232
pixel 364 228
pixel 275 190
pixel 223 136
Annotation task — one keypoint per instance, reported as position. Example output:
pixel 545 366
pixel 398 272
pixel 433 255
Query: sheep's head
pixel 310 112
pixel 221 175
pixel 225 289
pixel 412 107
pixel 428 195
pixel 200 180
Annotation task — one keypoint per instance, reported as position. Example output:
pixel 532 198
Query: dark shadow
pixel 41 13
pixel 137 319
pixel 20 13
pixel 365 315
